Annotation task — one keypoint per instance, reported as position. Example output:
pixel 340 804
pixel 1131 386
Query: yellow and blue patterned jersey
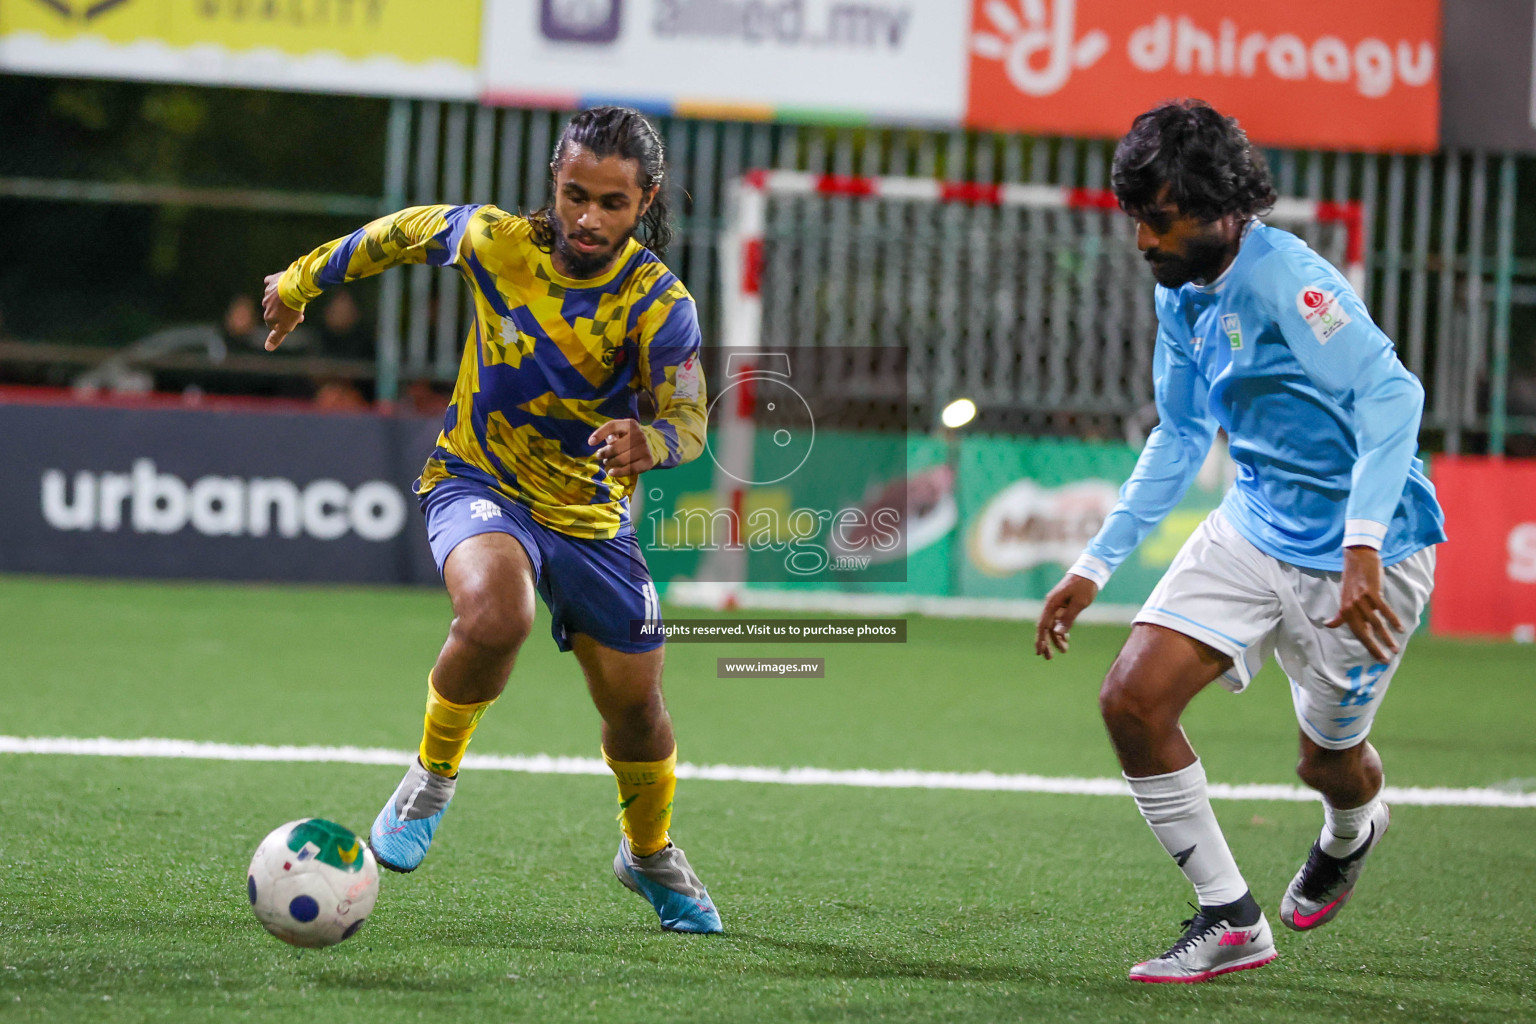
pixel 548 359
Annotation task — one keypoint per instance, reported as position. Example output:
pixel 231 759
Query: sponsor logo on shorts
pixel 1322 311
pixel 484 509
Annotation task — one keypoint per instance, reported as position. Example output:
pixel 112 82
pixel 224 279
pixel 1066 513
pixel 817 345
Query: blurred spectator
pixel 343 335
pixel 337 393
pixel 246 335
pixel 242 322
pixel 425 398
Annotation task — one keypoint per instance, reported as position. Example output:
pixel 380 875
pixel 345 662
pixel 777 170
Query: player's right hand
pixel 1362 606
pixel 277 314
pixel 1062 606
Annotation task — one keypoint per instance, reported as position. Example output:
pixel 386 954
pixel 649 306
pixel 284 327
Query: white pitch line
pixel 864 778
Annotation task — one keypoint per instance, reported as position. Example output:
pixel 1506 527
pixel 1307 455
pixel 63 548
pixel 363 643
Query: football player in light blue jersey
pixel 1322 552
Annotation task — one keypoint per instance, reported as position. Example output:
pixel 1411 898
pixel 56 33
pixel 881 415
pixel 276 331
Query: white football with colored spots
pixel 312 882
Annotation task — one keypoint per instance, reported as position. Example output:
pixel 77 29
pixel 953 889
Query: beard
pixel 580 264
pixel 1200 261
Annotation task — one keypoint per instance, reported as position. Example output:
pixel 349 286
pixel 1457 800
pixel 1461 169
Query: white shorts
pixel 1226 593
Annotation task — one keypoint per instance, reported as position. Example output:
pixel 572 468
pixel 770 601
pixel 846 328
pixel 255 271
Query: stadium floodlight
pixel 958 413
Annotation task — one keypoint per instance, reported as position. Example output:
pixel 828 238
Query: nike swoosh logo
pixel 1308 920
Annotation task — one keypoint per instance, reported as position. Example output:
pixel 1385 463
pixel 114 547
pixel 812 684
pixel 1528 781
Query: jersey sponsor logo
pixel 1233 327
pixel 517 340
pixel 1322 311
pixel 687 388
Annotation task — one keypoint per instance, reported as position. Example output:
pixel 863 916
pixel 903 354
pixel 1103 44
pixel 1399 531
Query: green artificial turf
pixel 122 880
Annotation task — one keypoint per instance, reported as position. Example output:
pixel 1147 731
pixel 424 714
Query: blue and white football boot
pixel 402 832
pixel 667 883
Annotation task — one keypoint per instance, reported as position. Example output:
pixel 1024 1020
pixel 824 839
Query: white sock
pixel 1177 808
pixel 1346 829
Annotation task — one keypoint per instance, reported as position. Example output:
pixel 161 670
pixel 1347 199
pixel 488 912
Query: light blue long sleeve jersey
pixel 1321 416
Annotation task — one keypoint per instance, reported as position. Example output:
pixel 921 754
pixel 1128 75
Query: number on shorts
pixel 1362 684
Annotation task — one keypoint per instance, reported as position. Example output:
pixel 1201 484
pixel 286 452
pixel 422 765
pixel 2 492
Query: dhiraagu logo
pixel 1038 44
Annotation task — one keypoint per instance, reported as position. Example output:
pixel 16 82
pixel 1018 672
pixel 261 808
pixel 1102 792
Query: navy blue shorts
pixel 596 587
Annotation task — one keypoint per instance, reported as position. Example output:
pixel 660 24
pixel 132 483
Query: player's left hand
pixel 624 451
pixel 1362 606
pixel 277 314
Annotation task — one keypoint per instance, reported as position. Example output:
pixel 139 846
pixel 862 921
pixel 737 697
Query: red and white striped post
pixel 743 252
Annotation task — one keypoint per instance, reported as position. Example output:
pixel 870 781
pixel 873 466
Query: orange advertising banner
pixel 1317 74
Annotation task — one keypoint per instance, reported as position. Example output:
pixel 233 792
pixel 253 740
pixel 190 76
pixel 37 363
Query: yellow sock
pixel 447 730
pixel 645 800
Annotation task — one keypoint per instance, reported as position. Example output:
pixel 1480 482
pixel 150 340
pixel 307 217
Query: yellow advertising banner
pixel 392 47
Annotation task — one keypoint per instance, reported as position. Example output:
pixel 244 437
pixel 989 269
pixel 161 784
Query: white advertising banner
pixel 880 60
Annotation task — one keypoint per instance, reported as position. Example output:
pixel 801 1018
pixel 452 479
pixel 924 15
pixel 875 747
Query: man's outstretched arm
pixel 420 234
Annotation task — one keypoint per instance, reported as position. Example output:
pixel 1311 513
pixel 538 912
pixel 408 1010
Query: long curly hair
pixel 627 134
pixel 1205 160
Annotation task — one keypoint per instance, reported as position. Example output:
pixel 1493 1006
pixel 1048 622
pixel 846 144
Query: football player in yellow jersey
pixel 528 488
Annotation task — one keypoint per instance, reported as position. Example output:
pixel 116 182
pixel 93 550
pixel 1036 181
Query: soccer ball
pixel 312 882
